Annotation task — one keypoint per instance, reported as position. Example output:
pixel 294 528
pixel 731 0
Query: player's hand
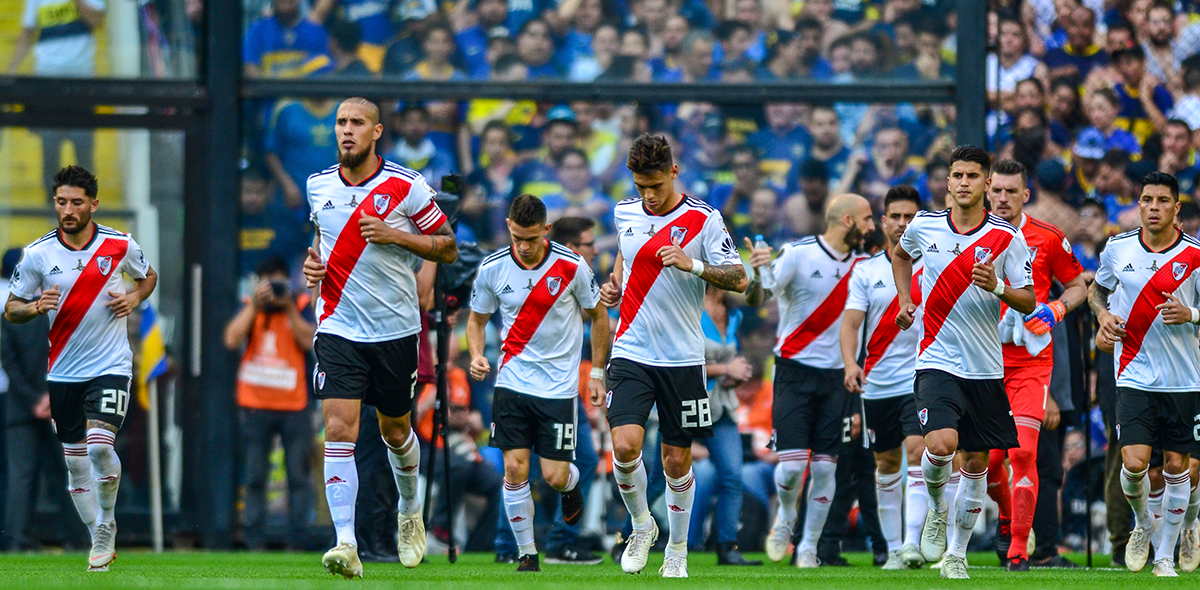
pixel 759 257
pixel 855 378
pixel 375 230
pixel 855 426
pixel 739 370
pixel 48 301
pixel 596 392
pixel 480 367
pixel 1112 329
pixel 1173 310
pixel 1053 416
pixel 123 304
pixel 314 269
pixel 906 315
pixel 41 410
pixel 1045 316
pixel 673 255
pixel 610 292
pixel 263 295
pixel 983 274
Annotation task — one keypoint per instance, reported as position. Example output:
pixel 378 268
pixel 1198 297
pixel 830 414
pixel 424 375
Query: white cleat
pixel 104 547
pixel 1164 568
pixel 807 559
pixel 895 560
pixel 911 556
pixel 637 549
pixel 343 561
pixel 933 535
pixel 1189 548
pixel 779 540
pixel 411 546
pixel 674 566
pixel 954 568
pixel 1138 549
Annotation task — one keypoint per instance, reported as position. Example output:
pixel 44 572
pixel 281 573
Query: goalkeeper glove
pixel 1045 316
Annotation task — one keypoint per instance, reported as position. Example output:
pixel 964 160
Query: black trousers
pixel 35 460
pixel 375 508
pixel 1047 521
pixel 468 476
pixel 259 428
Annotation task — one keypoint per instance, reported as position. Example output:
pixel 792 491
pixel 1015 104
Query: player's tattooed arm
pixel 730 277
pixel 1112 328
pixel 21 311
pixel 1097 299
pixel 440 246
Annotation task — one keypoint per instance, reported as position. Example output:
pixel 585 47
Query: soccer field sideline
pixel 298 571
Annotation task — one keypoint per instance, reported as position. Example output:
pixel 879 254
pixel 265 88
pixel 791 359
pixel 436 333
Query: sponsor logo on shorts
pixel 923 416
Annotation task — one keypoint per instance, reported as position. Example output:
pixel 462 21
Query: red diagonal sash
pixel 1143 313
pixel 887 330
pixel 537 304
pixel 820 319
pixel 75 305
pixel 350 243
pixel 646 266
pixel 954 280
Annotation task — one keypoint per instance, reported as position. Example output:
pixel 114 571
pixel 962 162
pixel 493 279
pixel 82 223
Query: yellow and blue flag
pixel 153 353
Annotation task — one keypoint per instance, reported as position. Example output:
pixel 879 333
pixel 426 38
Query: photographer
pixel 276 327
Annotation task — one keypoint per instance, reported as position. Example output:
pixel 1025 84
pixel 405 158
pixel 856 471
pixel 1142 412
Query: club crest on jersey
pixel 923 416
pixel 981 253
pixel 1178 269
pixel 677 234
pixel 381 203
pixel 104 263
pixel 1032 254
pixel 553 284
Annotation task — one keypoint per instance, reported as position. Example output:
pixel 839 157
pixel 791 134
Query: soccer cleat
pixel 933 535
pixel 911 555
pixel 411 546
pixel 569 556
pixel 1138 549
pixel 1189 550
pixel 529 563
pixel 572 506
pixel 1003 538
pixel 1165 568
pixel 895 561
pixel 674 566
pixel 1019 563
pixel 104 549
pixel 954 568
pixel 343 561
pixel 779 539
pixel 637 548
pixel 807 559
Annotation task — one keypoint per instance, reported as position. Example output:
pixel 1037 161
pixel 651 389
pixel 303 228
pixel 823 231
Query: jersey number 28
pixel 696 413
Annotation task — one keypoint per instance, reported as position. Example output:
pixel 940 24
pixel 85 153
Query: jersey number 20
pixel 114 401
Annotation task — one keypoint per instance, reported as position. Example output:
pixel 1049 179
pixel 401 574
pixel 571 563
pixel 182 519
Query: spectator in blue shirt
pixel 299 143
pixel 373 18
pixel 733 199
pixel 473 40
pixel 535 48
pixel 827 147
pixel 783 143
pixel 285 44
pixel 1090 235
pixel 1144 102
pixel 265 228
pixel 539 176
pixel 581 195
pixel 345 41
pixel 437 45
pixel 416 150
pixel 1102 108
pixel 1178 157
pixel 1080 54
pixel 675 31
pixel 696 60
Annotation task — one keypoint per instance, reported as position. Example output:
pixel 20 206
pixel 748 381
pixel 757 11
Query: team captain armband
pixel 429 219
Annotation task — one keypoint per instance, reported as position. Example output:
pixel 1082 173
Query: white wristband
pixel 999 290
pixel 1195 316
pixel 697 267
pixel 598 373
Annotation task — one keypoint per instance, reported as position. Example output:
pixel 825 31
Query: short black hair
pixel 527 211
pixel 1158 178
pixel 78 177
pixel 1115 158
pixel 1188 210
pixel 569 230
pixel 271 265
pixel 971 153
pixel 812 169
pixel 900 193
pixel 649 154
pixel 346 33
pixel 1179 122
pixel 571 151
pixel 1009 167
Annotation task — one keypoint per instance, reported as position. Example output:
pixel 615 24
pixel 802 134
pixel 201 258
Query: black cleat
pixel 728 554
pixel 1003 538
pixel 1019 563
pixel 572 506
pixel 569 556
pixel 529 563
pixel 1060 562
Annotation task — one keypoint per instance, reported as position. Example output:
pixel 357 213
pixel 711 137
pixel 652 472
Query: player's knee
pixel 516 472
pixel 1021 456
pixel 101 454
pixel 887 465
pixel 557 478
pixel 626 448
pixel 1134 463
pixel 1174 463
pixel 675 464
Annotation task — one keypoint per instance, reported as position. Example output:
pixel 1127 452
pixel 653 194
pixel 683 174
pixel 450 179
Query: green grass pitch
pixel 290 571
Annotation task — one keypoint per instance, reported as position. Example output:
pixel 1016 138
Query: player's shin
pixel 1189 517
pixel 936 469
pixel 789 479
pixel 405 462
pixel 1024 486
pixel 1136 488
pixel 681 494
pixel 1175 504
pixel 631 480
pixel 968 506
pixel 952 498
pixel 518 506
pixel 916 504
pixel 341 488
pixel 820 498
pixel 889 489
pixel 998 484
pixel 106 469
pixel 81 484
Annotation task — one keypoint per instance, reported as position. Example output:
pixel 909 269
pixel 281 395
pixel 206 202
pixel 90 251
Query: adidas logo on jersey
pixel 816 274
pixel 879 285
pixel 932 248
pixel 54 271
pixel 328 206
pixel 507 290
pixel 1128 268
pixel 628 232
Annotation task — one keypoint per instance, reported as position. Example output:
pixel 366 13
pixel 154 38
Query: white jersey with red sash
pixel 1153 356
pixel 86 339
pixel 369 293
pixel 542 333
pixel 891 362
pixel 961 321
pixel 661 307
pixel 812 281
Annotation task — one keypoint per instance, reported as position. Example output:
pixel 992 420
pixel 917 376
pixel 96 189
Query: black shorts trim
pixel 72 404
pixel 684 413
pixel 890 420
pixel 976 408
pixel 380 374
pixel 811 408
pixel 547 426
pixel 1165 421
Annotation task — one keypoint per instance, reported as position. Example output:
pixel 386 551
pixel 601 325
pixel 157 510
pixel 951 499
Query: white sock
pixel 891 503
pixel 341 488
pixel 1175 504
pixel 789 479
pixel 916 504
pixel 631 481
pixel 572 479
pixel 820 498
pixel 406 462
pixel 681 494
pixel 1155 502
pixel 518 506
pixel 1136 487
pixel 952 498
pixel 81 484
pixel 1189 517
pixel 106 470
pixel 936 470
pixel 968 506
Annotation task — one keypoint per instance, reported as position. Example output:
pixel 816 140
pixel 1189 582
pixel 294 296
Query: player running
pixel 1026 374
pixel 968 253
pixel 811 406
pixel 1152 327
pixel 375 222
pixel 78 269
pixel 669 245
pixel 885 383
pixel 539 287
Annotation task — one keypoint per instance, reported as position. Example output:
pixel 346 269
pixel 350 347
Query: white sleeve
pixel 858 295
pixel 718 245
pixel 587 292
pixel 910 240
pixel 783 267
pixel 135 264
pixel 1106 275
pixel 313 207
pixel 420 207
pixel 1016 266
pixel 483 296
pixel 26 280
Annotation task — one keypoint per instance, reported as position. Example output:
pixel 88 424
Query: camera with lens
pixel 280 291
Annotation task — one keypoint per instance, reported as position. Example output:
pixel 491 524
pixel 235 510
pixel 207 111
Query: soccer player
pixel 669 245
pixel 885 382
pixel 1152 327
pixel 375 222
pixel 811 407
pixel 75 275
pixel 1026 375
pixel 539 287
pixel 961 405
